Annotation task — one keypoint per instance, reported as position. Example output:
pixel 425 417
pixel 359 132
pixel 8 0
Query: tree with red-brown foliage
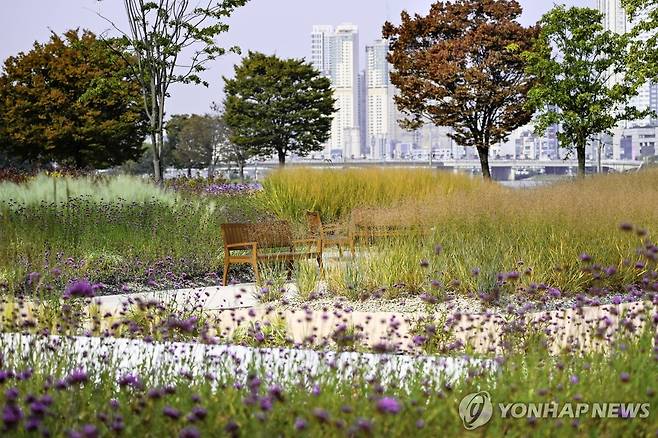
pixel 461 67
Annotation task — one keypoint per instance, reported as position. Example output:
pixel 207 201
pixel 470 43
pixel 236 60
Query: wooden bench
pixel 330 234
pixel 265 242
pixel 366 226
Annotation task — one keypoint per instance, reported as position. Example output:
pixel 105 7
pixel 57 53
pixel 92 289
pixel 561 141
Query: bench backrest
pixel 314 223
pixel 268 234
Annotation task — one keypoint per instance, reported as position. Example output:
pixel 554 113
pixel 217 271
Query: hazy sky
pixel 271 26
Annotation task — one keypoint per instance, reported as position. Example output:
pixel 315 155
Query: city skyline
pixel 259 26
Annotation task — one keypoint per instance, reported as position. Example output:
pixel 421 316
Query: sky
pixel 280 27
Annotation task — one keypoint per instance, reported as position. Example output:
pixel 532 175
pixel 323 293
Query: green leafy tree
pixel 644 13
pixel 583 80
pixel 172 42
pixel 198 141
pixel 71 100
pixel 461 66
pixel 278 106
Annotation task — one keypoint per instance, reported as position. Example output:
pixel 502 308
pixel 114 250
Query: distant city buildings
pixel 630 138
pixel 366 124
pixel 335 53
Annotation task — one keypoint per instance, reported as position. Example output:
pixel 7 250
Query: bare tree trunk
pixel 282 158
pixel 160 139
pixel 580 150
pixel 241 167
pixel 484 162
pixel 155 157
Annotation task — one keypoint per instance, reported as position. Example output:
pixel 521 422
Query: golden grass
pixel 538 232
pixel 334 193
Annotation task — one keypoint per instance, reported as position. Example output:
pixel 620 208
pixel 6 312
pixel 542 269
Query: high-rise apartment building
pixel 616 20
pixel 380 111
pixel 335 53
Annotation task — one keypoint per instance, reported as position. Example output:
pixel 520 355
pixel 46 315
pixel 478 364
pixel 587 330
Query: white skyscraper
pixel 616 20
pixel 380 111
pixel 335 53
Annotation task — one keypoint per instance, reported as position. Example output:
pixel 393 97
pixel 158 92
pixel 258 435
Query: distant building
pixel 335 53
pixel 616 20
pixel 363 113
pixel 380 117
pixel 639 143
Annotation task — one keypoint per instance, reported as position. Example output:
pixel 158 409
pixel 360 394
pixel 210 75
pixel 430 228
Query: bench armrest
pixel 317 242
pixel 242 246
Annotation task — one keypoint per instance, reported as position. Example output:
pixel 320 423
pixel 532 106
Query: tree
pixel 461 67
pixel 278 106
pixel 163 31
pixel 644 13
pixel 583 82
pixel 71 100
pixel 197 140
pixel 229 151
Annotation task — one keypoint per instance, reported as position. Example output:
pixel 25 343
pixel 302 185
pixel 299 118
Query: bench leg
pixel 254 264
pixel 226 265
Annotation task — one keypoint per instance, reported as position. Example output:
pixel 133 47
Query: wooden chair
pixel 265 242
pixel 332 234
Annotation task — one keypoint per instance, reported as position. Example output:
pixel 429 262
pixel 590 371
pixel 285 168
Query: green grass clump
pixel 60 189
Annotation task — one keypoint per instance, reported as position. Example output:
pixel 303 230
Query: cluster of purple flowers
pixel 232 189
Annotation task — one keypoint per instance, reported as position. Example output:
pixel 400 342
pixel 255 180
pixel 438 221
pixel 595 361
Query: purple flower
pixel 574 379
pixel 554 292
pixel 171 412
pixel 388 405
pixel 419 340
pixel 129 380
pixel 626 227
pixel 616 299
pixel 429 298
pixel 89 431
pixel 276 392
pixel 321 415
pixel 77 376
pixel 300 423
pixel 80 289
pixel 584 257
pixel 11 416
pixel 364 424
pixel 198 413
pixel 189 432
pixel 11 394
pixel 33 278
pixel 624 377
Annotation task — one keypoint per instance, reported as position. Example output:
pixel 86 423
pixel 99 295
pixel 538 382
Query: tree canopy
pixel 172 41
pixel 461 66
pixel 278 106
pixel 197 140
pixel 70 100
pixel 583 80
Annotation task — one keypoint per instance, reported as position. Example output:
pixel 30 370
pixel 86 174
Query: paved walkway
pixel 211 298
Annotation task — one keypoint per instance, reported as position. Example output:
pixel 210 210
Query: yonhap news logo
pixel 477 409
